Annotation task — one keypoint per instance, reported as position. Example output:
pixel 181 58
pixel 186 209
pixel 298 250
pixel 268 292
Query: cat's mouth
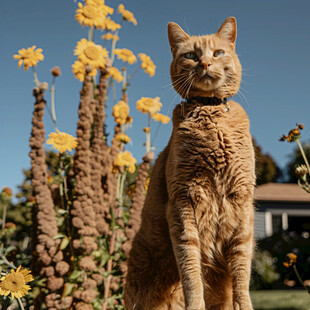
pixel 208 76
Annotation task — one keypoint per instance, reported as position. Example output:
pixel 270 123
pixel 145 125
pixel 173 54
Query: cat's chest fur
pixel 211 159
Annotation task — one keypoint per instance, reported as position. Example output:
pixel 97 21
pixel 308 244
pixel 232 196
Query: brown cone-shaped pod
pixel 83 306
pixel 101 157
pixel 88 264
pixel 64 303
pixel 98 278
pixel 89 295
pixel 54 283
pixel 89 283
pixel 62 268
pixel 138 199
pixel 43 212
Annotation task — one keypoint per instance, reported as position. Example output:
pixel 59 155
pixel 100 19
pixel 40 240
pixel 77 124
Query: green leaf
pixel 64 243
pixel 75 275
pixel 62 211
pixel 68 289
pixel 59 236
pixel 10 249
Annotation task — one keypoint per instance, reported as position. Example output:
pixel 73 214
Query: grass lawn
pixel 280 300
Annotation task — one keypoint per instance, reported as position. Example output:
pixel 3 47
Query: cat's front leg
pixel 240 256
pixel 186 246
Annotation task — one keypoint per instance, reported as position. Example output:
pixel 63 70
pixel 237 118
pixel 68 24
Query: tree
pixel 266 168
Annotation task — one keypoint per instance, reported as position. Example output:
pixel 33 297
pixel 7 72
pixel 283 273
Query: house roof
pixel 281 192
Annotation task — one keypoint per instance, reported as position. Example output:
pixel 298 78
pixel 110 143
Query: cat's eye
pixel 218 53
pixel 190 55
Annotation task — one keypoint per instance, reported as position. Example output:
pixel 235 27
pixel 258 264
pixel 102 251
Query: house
pixel 281 207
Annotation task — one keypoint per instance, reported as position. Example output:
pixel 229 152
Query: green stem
pixel 118 186
pixel 113 48
pixel 148 134
pixel 304 155
pixel 2 256
pixel 123 177
pixel 53 103
pixel 300 279
pixel 35 77
pixel 20 304
pixel 91 34
pixel 4 217
pixel 134 73
pixel 124 86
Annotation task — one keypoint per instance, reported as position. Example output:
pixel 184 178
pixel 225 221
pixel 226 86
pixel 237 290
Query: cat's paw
pixel 247 306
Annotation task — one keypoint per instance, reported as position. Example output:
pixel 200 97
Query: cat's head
pixel 205 65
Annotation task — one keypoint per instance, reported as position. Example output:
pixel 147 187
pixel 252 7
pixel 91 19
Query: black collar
pixel 207 100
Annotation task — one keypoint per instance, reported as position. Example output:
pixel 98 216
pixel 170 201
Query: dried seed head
pixel 56 71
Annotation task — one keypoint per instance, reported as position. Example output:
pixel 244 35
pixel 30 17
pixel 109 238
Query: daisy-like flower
pixel 89 15
pixel 62 141
pixel 125 55
pixel 127 15
pixel 121 112
pixel 148 105
pixel 125 159
pixel 91 54
pixel 29 56
pixel 116 74
pixel 158 117
pixel 15 283
pixel 110 36
pixel 147 64
pixel 104 9
pixel 79 70
pixel 122 137
pixel 110 25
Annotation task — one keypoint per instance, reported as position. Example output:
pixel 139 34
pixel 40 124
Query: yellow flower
pixel 62 141
pixel 91 54
pixel 110 25
pixel 121 112
pixel 125 55
pixel 291 259
pixel 104 9
pixel 127 15
pixel 158 117
pixel 147 64
pixel 125 159
pixel 110 36
pixel 89 15
pixel 148 105
pixel 122 137
pixel 29 56
pixel 15 283
pixel 78 68
pixel 116 74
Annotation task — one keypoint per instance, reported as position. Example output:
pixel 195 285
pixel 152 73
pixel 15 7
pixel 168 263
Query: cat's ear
pixel 176 35
pixel 228 30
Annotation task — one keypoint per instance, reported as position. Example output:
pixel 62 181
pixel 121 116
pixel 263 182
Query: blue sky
pixel 273 45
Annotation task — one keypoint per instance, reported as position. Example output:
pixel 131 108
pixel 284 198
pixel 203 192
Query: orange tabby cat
pixel 194 247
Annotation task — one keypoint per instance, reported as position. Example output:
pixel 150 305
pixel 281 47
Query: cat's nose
pixel 206 65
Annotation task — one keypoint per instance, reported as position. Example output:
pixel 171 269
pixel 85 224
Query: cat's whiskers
pixel 182 90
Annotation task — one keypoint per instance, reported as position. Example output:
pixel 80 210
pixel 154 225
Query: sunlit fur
pixel 194 247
